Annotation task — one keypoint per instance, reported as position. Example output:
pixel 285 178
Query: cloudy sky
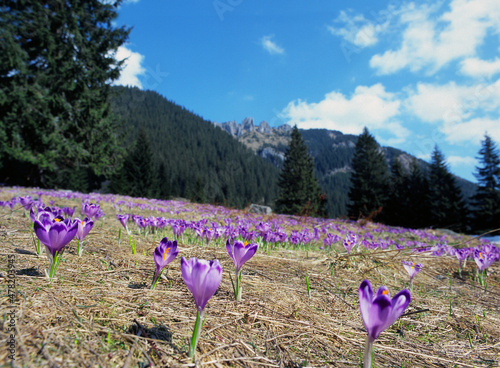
pixel 416 74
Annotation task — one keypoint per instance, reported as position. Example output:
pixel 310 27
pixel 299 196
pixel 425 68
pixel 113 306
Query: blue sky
pixel 416 74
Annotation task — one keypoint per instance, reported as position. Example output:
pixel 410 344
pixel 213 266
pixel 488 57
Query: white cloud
pixel 372 107
pixel 431 41
pixel 475 67
pixel 461 161
pixel 434 103
pixel 132 67
pixel 453 103
pixel 472 131
pixel 358 30
pixel 270 46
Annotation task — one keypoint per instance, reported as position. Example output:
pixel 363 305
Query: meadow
pixel 300 301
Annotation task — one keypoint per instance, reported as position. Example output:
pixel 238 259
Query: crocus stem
pixel 80 247
pixel 411 284
pixel 367 359
pixel 156 277
pixel 196 334
pixel 53 265
pixel 238 286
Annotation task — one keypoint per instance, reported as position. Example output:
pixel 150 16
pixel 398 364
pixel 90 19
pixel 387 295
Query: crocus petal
pixel 380 312
pixel 41 232
pixel 202 278
pixel 161 259
pixel 229 249
pixel 399 303
pixel 249 252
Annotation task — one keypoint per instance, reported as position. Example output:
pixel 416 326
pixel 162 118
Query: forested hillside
pixel 198 160
pixel 332 152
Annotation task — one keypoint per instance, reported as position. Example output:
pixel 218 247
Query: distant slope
pixel 332 152
pixel 201 161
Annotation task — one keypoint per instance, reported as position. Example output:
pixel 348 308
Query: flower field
pixel 115 294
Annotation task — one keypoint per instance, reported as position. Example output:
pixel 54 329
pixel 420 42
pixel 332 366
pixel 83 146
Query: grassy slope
pixel 99 311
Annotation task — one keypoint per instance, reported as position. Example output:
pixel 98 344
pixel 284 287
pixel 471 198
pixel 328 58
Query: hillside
pixel 332 152
pixel 201 161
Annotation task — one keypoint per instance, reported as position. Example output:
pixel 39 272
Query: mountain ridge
pixel 332 151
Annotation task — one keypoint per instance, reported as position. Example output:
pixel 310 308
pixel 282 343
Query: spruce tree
pixel 56 64
pixel 138 176
pixel 368 192
pixel 447 207
pixel 486 201
pixel 396 209
pixel 299 192
pixel 418 210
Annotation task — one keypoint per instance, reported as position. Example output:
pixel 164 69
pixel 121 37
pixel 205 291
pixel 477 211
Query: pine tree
pixel 486 201
pixel 447 207
pixel 55 70
pixel 396 209
pixel 418 210
pixel 369 179
pixel 138 176
pixel 299 192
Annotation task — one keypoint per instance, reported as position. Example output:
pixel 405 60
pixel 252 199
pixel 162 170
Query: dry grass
pixel 99 311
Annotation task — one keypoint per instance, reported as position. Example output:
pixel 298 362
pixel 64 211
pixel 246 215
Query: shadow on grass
pixel 32 271
pixel 24 251
pixel 158 332
pixel 135 285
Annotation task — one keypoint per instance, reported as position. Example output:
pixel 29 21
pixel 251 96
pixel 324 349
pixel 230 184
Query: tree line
pixel 418 198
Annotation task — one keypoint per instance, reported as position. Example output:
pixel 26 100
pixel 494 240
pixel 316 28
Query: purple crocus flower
pixel 26 202
pixel 90 209
pixel 55 234
pixel 462 254
pixel 84 226
pixel 123 220
pixel 163 255
pixel 412 268
pixel 379 312
pixel 240 253
pixel 483 259
pixel 69 211
pixel 202 278
pixel 350 241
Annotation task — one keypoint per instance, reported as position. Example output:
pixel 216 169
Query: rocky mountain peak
pixel 247 126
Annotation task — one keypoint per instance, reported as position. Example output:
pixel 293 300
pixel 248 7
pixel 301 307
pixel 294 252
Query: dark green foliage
pixel 369 179
pixel 336 186
pixel 138 175
pixel 418 205
pixel 299 192
pixel 447 207
pixel 200 162
pixel 55 68
pixel 486 201
pixel 396 209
